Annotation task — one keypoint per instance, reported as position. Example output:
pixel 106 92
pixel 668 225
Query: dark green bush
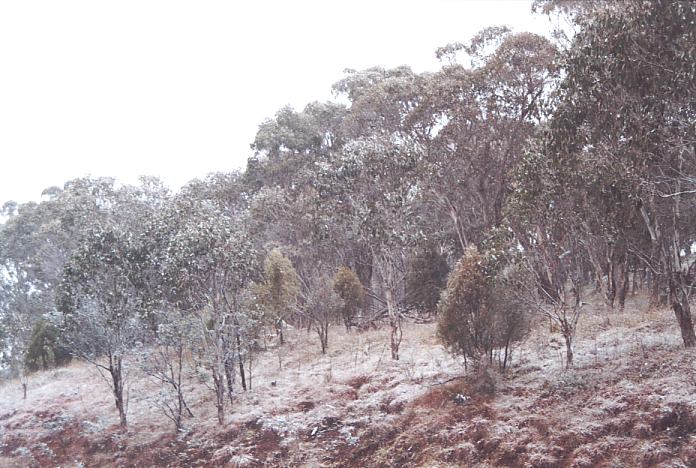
pixel 348 287
pixel 45 349
pixel 479 313
pixel 426 277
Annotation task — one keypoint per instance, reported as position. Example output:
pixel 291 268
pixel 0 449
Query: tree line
pixel 524 173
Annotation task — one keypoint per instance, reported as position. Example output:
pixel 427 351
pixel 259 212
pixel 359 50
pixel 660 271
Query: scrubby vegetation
pixel 536 194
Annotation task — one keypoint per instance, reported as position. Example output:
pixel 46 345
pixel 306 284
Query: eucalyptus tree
pixel 390 143
pixel 626 117
pixel 321 304
pixel 288 201
pixel 106 286
pixel 545 214
pixel 314 131
pixel 383 102
pixel 374 181
pixel 101 306
pixel 164 361
pixel 36 241
pixel 287 147
pixel 17 319
pixel 38 238
pixel 482 113
pixel 211 259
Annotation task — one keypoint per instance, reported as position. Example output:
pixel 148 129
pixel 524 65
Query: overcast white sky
pixel 178 88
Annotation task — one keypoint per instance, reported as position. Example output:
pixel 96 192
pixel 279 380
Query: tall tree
pixel 36 241
pixel 626 115
pixel 101 304
pixel 211 259
pixel 375 182
pixel 482 114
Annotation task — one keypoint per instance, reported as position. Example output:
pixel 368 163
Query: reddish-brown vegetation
pixel 629 402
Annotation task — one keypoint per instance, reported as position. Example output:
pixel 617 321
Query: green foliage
pixel 426 277
pixel 322 305
pixel 45 349
pixel 466 312
pixel 348 287
pixel 478 312
pixel 278 291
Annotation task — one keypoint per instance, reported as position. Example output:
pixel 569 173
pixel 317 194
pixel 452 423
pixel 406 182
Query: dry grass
pixel 629 401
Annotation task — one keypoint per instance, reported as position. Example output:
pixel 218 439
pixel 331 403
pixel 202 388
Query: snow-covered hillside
pixel 630 401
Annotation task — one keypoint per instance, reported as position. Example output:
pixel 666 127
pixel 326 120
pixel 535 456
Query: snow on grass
pixel 629 381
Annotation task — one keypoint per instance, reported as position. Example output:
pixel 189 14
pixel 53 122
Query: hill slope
pixel 630 401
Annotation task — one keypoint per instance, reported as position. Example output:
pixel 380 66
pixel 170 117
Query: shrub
pixel 426 277
pixel 348 287
pixel 278 291
pixel 478 312
pixel 466 315
pixel 322 305
pixel 45 349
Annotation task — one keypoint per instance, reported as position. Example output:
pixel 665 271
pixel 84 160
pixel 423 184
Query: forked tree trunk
pixel 181 401
pixel 623 285
pixel 218 370
pixel 322 330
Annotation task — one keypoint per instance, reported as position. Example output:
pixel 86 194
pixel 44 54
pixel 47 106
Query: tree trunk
pixel 279 330
pixel 507 355
pixel 654 301
pixel 249 367
pixel 363 263
pixel 682 311
pixel 323 332
pixel 219 386
pixel 395 324
pixel 623 285
pixel 347 321
pixel 610 293
pixel 241 363
pixel 116 370
pixel 229 375
pixel 569 349
pixel 179 392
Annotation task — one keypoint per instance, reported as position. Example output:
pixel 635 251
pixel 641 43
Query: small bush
pixel 478 312
pixel 466 312
pixel 348 287
pixel 426 277
pixel 45 350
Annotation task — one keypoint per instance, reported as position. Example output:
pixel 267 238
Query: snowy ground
pixel 629 401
